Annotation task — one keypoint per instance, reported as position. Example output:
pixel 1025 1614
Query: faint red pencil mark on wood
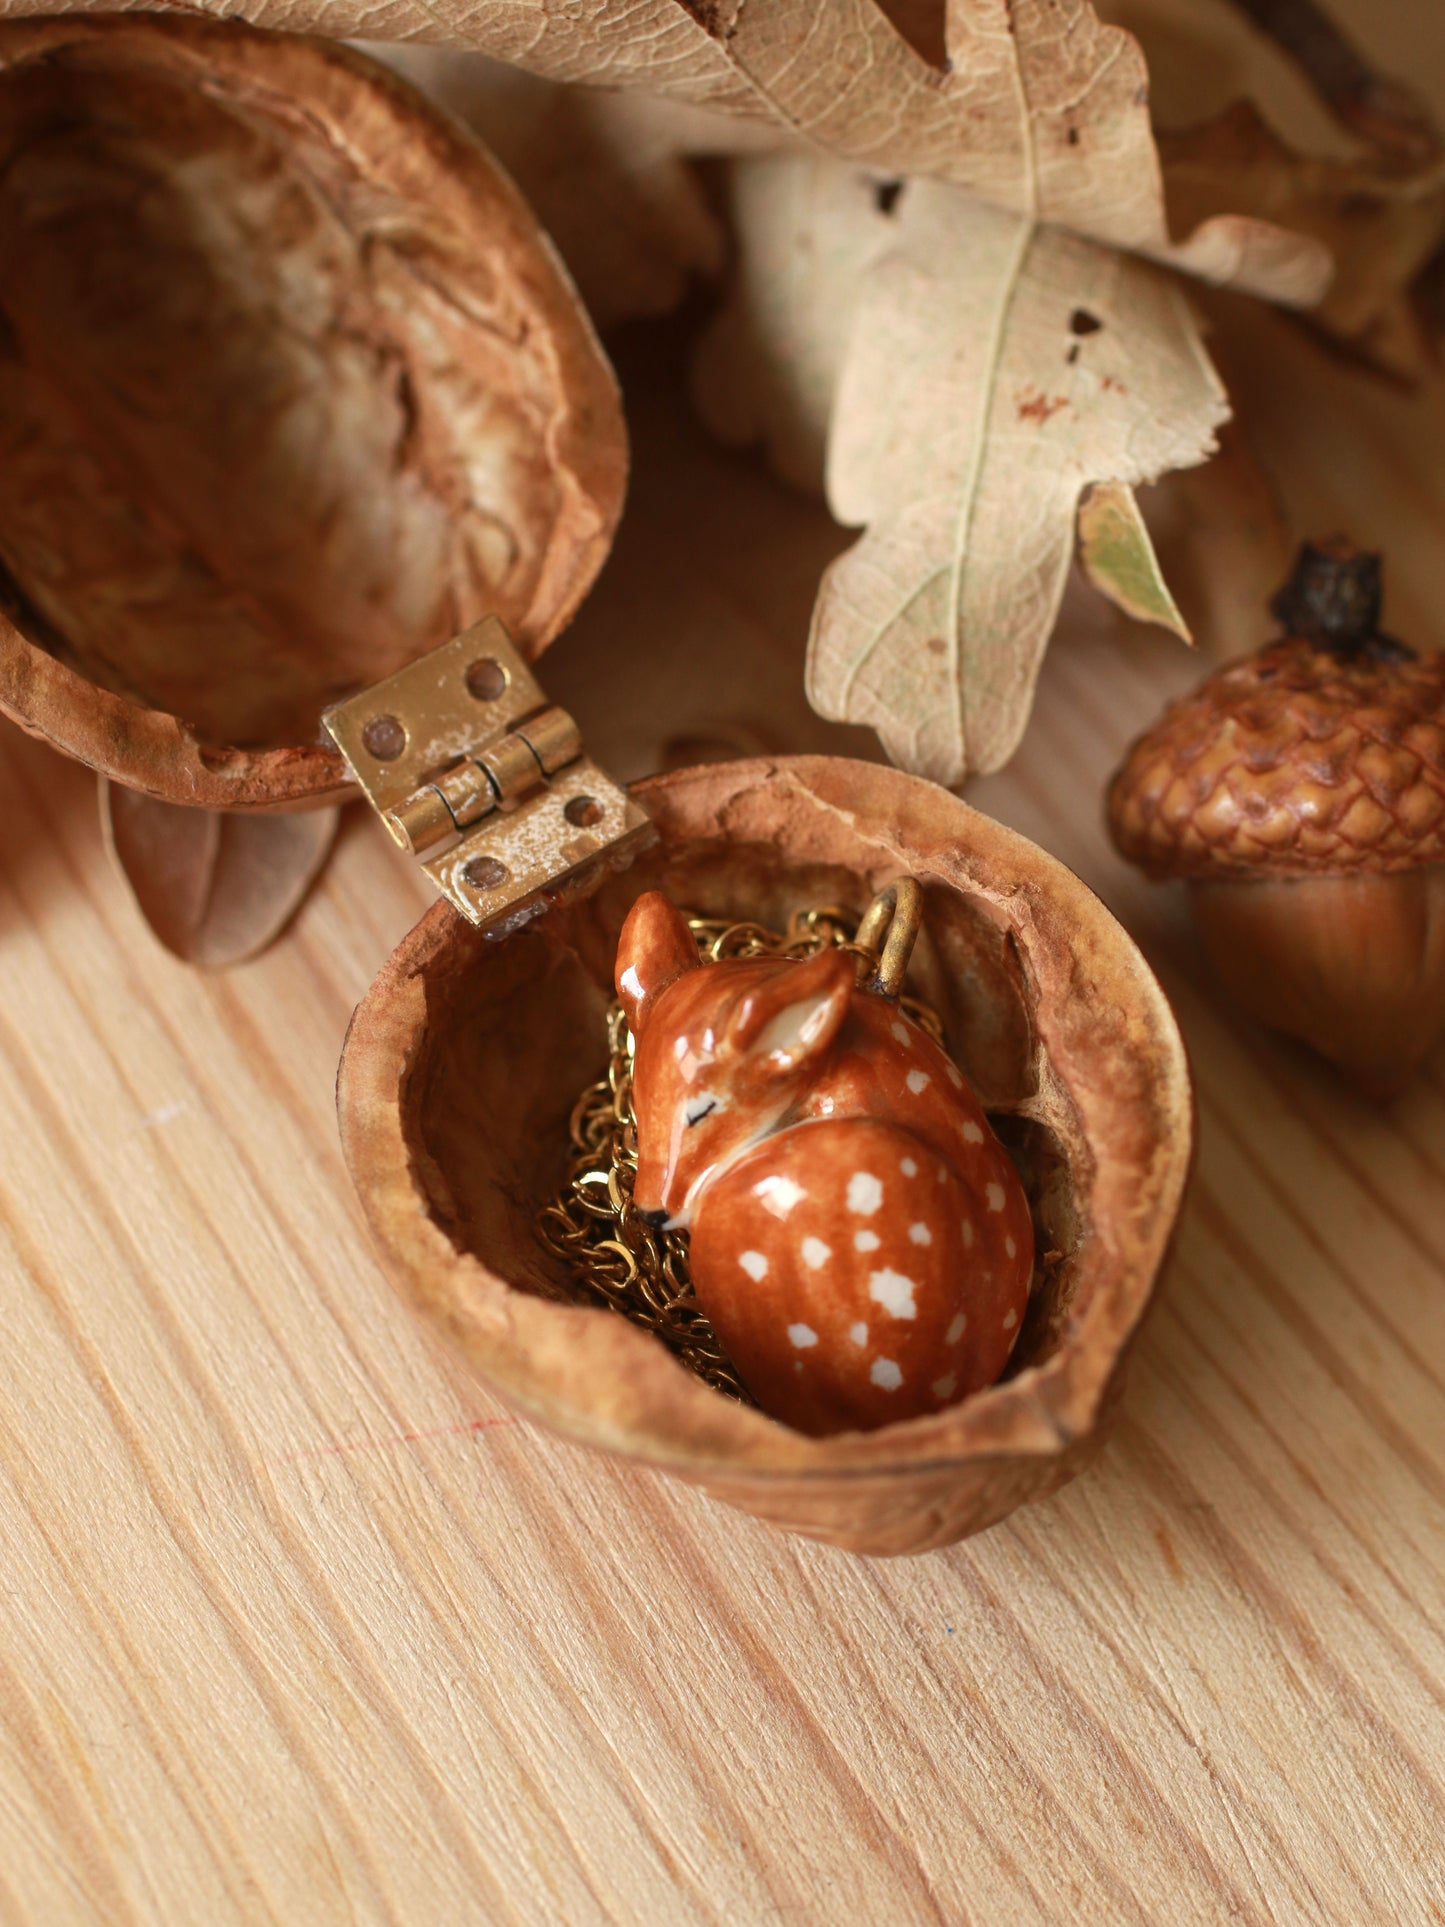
pixel 394 1438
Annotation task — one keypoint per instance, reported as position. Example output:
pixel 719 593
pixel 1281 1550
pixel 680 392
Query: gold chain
pixel 613 1256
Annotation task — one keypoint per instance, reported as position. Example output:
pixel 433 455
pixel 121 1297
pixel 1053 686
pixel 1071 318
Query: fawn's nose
pixel 658 1218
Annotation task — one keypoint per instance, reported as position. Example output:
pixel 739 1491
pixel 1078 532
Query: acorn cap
pixel 1323 755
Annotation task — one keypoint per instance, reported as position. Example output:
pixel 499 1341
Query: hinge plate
pixel 474 697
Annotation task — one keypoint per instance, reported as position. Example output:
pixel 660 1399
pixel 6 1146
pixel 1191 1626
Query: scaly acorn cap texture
pixel 1323 755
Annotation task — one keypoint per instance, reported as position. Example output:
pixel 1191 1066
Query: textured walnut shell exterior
pixel 292 389
pixel 1294 763
pixel 464 1060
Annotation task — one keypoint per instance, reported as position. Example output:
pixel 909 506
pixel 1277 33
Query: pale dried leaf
pixel 1117 556
pixel 1041 108
pixel 215 889
pixel 996 369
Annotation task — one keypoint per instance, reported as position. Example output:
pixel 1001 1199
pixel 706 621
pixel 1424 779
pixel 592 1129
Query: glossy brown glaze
pixel 859 1238
pixel 1294 763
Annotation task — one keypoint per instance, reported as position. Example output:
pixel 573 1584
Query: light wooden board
pixel 297 1625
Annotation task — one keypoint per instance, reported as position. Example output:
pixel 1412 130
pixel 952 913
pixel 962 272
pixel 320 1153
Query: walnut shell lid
pixel 1047 1006
pixel 292 389
pixel 1323 755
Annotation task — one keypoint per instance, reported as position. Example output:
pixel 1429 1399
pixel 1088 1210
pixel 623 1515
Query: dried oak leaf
pixel 996 368
pixel 1266 107
pixel 1039 107
pixel 1381 216
pixel 972 363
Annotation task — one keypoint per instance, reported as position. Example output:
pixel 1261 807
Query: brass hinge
pixel 476 774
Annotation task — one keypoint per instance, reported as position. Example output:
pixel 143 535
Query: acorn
pixel 1301 795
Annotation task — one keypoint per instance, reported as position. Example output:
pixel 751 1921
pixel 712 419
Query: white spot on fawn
pixel 918 1081
pixel 865 1193
pixel 994 1194
pixel 908 1167
pixel 956 1329
pixel 802 1336
pixel 1010 1321
pixel 972 1133
pixel 754 1264
pixel 858 1333
pixel 955 1077
pixel 900 1031
pixel 885 1375
pixel 815 1253
pixel 866 1241
pixel 945 1387
pixel 779 1195
pixel 967 1235
pixel 893 1292
pixel 919 1234
pixel 1010 1247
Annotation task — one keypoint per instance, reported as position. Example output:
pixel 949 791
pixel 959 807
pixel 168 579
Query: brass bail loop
pixel 898 910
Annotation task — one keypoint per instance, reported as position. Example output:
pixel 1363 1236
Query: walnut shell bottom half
pixel 465 1058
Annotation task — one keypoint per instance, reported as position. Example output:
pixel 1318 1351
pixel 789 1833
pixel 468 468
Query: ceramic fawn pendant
pixel 859 1238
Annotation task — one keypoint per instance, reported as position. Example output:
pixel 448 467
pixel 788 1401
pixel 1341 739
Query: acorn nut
pixel 1301 794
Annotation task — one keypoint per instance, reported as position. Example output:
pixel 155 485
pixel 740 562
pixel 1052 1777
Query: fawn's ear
pixel 795 1016
pixel 655 949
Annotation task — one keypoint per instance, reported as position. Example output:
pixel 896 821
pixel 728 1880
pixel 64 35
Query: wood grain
pixel 295 1625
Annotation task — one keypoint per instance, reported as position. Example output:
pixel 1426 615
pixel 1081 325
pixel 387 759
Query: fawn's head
pixel 723 1049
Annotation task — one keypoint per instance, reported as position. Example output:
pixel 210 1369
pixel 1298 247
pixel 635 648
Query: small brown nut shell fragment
pixel 292 389
pixel 1301 794
pixel 1048 1007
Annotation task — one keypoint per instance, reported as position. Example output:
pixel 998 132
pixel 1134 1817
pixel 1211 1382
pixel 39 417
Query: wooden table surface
pixel 297 1624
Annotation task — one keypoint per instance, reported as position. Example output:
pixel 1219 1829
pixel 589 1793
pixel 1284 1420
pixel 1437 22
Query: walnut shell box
pixel 293 390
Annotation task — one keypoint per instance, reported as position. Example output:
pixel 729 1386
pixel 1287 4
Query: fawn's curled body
pixel 859 1238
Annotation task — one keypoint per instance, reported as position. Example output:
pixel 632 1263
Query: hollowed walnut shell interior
pixel 467 1055
pixel 292 389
